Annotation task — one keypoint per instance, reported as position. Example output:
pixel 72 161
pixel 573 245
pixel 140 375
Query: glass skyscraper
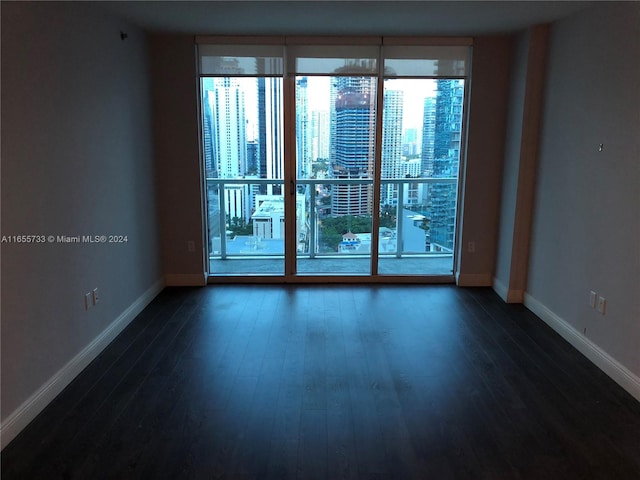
pixel 446 159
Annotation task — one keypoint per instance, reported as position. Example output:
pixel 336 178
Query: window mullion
pixel 377 170
pixel 289 188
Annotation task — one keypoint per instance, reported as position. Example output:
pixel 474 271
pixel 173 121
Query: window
pixel 370 127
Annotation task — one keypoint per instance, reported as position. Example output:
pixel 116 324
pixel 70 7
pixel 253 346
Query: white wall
pixel 77 159
pixel 586 228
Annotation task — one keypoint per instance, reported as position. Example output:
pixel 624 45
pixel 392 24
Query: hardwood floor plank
pixel 104 403
pixel 219 451
pixel 54 426
pixel 342 462
pixel 313 447
pixel 334 382
pixel 149 374
pixel 369 445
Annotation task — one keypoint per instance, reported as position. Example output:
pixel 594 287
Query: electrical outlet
pixel 94 296
pixel 471 247
pixel 592 299
pixel 602 305
pixel 87 300
pixel 191 246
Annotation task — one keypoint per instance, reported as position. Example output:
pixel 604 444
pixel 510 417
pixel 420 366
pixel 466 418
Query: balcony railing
pixel 406 235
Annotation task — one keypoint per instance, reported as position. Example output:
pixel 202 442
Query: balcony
pixel 253 240
pixel 437 265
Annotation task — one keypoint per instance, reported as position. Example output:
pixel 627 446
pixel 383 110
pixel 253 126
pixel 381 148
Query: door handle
pixel 293 188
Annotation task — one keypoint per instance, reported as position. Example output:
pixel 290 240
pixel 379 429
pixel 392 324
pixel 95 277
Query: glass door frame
pixel 291 275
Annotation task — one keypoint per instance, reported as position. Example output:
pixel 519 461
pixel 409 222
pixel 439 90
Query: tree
pixel 238 226
pixel 333 228
pixel 388 216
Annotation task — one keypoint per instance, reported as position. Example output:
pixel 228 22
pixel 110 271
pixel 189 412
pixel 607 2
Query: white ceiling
pixel 272 17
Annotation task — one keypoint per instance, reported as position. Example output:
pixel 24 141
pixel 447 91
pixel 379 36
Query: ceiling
pixel 273 17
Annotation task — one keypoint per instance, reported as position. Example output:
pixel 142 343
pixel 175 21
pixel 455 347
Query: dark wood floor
pixel 334 382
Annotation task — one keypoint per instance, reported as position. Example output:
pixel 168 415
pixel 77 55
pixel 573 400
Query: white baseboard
pixel 37 402
pixel 185 279
pixel 605 362
pixel 473 280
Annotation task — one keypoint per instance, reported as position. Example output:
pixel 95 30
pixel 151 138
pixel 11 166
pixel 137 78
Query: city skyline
pixel 243 138
pixel 318 104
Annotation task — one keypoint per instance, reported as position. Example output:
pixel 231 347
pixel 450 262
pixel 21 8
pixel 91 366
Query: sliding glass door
pixel 335 157
pixel 421 145
pixel 241 90
pixel 298 156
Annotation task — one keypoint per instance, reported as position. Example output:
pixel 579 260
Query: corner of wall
pixel 585 227
pixel 521 159
pixel 481 179
pixel 176 134
pixel 605 362
pixel 47 392
pixel 500 288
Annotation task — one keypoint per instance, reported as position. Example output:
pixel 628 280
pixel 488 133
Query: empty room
pixel 320 240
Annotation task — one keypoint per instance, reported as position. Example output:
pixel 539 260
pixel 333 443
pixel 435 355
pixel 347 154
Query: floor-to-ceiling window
pixel 336 104
pixel 303 142
pixel 422 133
pixel 241 91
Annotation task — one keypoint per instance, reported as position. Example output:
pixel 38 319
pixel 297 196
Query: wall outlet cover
pixel 602 305
pixel 592 299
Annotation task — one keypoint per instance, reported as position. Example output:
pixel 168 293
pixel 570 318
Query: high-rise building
pixel 226 102
pixel 252 158
pixel 352 143
pixel 446 159
pixel 303 134
pixel 270 132
pixel 320 135
pixel 323 135
pixel 210 166
pixel 225 147
pixel 428 135
pixel 448 126
pixel 392 164
pixel 262 130
pixel 410 147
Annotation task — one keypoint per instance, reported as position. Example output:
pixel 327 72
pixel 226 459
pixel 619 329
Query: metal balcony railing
pixel 400 189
